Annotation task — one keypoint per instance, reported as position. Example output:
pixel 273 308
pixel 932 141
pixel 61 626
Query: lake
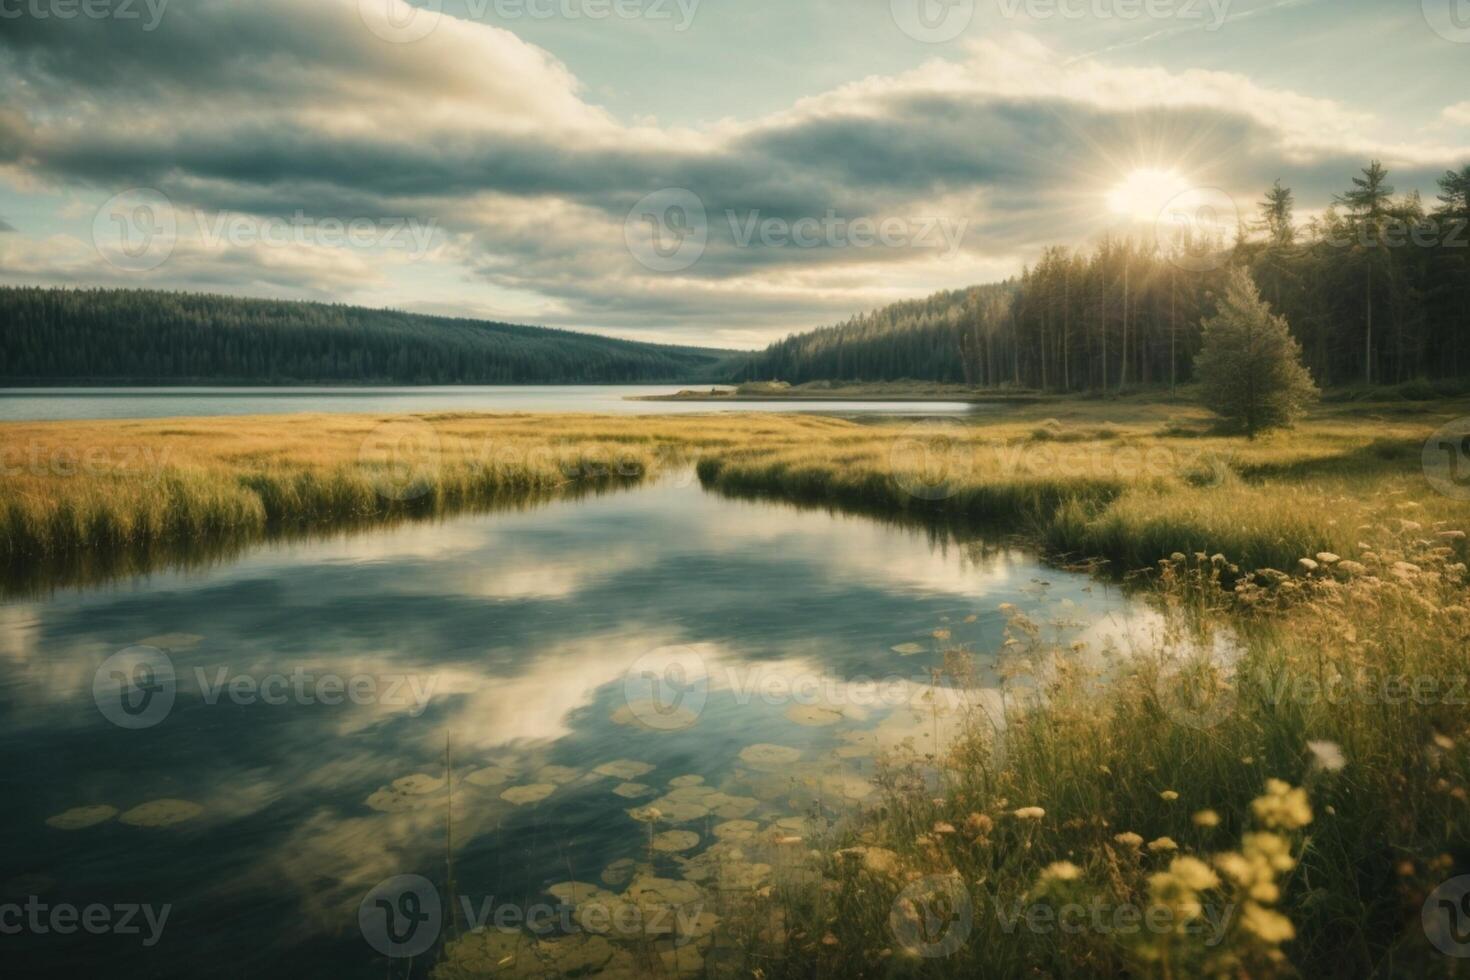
pixel 37 404
pixel 661 692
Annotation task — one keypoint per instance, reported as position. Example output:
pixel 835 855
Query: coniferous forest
pixel 1376 289
pixel 58 335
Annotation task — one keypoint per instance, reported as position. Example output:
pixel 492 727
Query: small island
pixel 834 391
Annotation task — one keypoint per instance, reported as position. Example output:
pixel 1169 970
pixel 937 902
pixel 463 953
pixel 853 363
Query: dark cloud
pixel 275 107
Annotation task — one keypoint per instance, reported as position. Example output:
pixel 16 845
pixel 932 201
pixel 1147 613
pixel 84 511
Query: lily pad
pixel 736 830
pixel 561 775
pixel 653 717
pixel 418 784
pixel 631 791
pixel 624 769
pixel 82 817
pixel 813 716
pixel 909 649
pixel 575 954
pixel 490 776
pixel 620 872
pixel 765 756
pixel 576 892
pixel 161 813
pixel 730 807
pixel 673 841
pixel 530 793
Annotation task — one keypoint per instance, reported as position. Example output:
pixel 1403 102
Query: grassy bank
pixel 818 391
pixel 1125 481
pixel 1287 810
pixel 1283 769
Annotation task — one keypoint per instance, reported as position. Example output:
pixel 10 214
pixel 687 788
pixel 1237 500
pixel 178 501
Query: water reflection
pixel 322 688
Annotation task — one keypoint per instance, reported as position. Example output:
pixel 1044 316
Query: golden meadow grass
pixel 1291 805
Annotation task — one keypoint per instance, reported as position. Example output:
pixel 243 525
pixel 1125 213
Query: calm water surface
pixel 660 646
pixel 31 404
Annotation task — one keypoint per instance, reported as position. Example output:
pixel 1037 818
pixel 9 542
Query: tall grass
pixel 1113 792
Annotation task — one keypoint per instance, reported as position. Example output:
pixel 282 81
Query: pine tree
pixel 1250 368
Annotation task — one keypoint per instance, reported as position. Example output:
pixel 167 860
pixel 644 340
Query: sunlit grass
pixel 1058 799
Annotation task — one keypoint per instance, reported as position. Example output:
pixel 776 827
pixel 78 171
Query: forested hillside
pixel 59 335
pixel 1377 290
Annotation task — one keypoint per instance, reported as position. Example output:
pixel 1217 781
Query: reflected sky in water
pixel 36 404
pixel 529 646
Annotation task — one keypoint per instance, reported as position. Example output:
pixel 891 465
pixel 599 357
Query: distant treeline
pixel 150 336
pixel 1377 290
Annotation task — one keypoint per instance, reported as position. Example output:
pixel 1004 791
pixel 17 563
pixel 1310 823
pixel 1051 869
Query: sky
pixel 713 172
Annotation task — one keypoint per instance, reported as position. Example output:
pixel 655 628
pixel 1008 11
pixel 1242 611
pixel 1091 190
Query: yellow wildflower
pixel 1283 806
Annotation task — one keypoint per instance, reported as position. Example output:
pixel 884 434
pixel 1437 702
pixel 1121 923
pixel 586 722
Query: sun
pixel 1145 192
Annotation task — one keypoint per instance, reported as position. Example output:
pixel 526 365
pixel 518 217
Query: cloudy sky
pixel 706 171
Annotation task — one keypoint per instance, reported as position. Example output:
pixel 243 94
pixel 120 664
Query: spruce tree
pixel 1250 367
